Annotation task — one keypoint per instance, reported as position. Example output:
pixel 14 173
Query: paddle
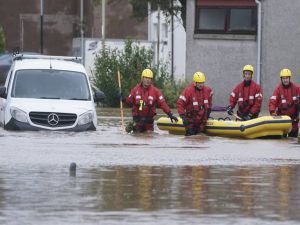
pixel 236 116
pixel 121 103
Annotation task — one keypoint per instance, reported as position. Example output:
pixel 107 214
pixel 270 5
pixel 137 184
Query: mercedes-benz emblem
pixel 53 119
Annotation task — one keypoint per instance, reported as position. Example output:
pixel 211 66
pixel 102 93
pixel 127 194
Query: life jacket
pixel 288 99
pixel 194 103
pixel 246 98
pixel 144 101
pixel 200 102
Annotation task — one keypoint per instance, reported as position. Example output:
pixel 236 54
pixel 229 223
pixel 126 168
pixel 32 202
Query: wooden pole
pixel 121 103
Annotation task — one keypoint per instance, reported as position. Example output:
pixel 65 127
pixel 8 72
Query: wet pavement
pixel 146 179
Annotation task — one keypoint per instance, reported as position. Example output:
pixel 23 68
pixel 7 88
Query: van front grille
pixel 53 119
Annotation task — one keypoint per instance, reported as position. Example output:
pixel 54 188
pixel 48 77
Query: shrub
pixel 172 90
pixel 130 62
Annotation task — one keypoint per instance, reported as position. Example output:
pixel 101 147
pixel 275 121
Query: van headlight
pixel 18 115
pixel 86 118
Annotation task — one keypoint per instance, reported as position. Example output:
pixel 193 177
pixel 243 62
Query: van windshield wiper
pixel 44 97
pixel 79 99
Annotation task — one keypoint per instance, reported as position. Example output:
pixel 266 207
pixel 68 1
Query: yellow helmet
pixel 199 77
pixel 248 68
pixel 147 73
pixel 285 73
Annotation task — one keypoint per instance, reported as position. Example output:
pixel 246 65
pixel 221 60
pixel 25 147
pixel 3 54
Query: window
pixel 50 84
pixel 226 17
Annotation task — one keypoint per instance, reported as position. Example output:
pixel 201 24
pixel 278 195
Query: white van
pixel 48 93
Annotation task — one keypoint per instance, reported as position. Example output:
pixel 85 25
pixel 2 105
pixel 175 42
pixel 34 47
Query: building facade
pixel 224 35
pixel 165 42
pixel 21 20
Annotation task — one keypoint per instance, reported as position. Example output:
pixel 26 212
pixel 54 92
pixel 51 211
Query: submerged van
pixel 48 93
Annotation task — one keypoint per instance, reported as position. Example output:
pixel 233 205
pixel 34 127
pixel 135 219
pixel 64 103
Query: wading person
pixel 194 105
pixel 143 100
pixel 285 100
pixel 248 95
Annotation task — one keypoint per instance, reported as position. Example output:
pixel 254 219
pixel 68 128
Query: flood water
pixel 146 179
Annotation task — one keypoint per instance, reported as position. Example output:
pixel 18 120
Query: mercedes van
pixel 48 93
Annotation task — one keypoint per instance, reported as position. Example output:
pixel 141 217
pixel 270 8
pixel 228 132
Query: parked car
pixel 48 93
pixel 5 63
pixel 6 60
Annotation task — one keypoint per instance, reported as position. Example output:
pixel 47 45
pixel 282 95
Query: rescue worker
pixel 248 95
pixel 143 99
pixel 285 100
pixel 194 105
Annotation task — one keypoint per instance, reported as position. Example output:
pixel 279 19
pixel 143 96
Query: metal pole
pixel 158 37
pixel 103 21
pixel 22 35
pixel 42 22
pixel 259 29
pixel 172 40
pixel 149 22
pixel 81 31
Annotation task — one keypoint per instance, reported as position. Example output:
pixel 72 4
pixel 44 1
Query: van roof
pixel 48 63
pixel 36 56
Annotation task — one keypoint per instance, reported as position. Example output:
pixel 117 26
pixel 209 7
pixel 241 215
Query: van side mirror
pixel 3 92
pixel 99 96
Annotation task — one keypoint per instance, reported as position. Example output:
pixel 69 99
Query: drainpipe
pixel 149 22
pixel 172 41
pixel 259 26
pixel 158 38
pixel 42 28
pixel 81 33
pixel 103 22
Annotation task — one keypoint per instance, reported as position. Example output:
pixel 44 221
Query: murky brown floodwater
pixel 146 179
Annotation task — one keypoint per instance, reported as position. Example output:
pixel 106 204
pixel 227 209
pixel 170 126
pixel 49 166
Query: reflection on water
pixel 263 192
pixel 119 194
pixel 181 195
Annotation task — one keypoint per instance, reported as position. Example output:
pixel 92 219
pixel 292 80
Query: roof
pixel 48 62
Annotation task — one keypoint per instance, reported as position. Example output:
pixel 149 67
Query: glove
pixel 172 118
pixel 229 110
pixel 184 120
pixel 121 97
pixel 130 126
pixel 208 112
pixel 246 117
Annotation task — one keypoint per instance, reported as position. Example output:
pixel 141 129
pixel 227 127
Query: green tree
pixel 130 61
pixel 172 90
pixel 2 40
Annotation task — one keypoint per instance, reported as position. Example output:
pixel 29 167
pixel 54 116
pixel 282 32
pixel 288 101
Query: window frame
pixel 226 28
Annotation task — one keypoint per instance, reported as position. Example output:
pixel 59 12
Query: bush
pixel 172 90
pixel 2 40
pixel 130 62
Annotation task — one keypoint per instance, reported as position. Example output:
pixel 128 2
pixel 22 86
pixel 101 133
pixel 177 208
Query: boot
pixel 293 133
pixel 190 132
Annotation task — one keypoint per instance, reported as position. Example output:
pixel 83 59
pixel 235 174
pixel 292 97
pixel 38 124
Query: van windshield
pixel 50 84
